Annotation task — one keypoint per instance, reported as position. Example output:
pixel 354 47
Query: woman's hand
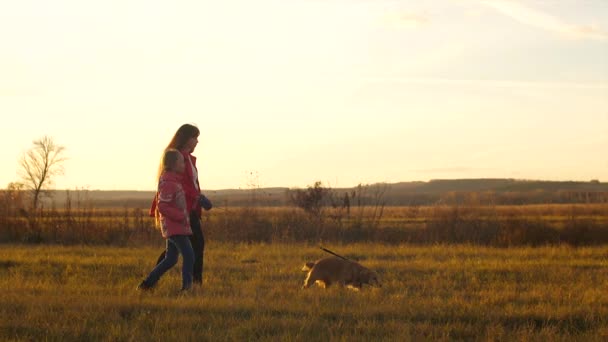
pixel 204 202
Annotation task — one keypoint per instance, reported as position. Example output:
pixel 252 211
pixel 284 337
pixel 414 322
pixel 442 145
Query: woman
pixel 185 141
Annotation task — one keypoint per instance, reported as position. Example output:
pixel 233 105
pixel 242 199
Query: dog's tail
pixel 308 266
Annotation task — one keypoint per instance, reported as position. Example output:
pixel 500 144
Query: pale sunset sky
pixel 288 92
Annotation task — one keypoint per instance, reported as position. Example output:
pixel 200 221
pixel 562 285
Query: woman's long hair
pixel 179 140
pixel 183 134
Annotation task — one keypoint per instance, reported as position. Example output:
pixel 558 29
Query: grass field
pixel 252 292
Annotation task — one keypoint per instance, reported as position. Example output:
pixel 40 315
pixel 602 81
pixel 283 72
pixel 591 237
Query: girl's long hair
pixel 170 158
pixel 177 143
pixel 167 163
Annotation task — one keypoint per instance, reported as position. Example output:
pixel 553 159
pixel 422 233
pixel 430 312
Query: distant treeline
pixel 362 214
pixel 458 191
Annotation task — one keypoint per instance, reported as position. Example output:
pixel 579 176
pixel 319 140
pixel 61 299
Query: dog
pixel 333 270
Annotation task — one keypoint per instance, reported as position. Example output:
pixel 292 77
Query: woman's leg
pixel 185 248
pixel 198 246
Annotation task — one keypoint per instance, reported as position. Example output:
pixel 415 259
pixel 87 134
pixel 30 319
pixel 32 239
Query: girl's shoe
pixel 143 286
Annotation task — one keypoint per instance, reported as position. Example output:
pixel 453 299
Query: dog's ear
pixel 308 266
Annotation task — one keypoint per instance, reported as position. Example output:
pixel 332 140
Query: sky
pixel 289 92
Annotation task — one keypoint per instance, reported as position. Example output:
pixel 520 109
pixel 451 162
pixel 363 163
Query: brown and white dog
pixel 333 270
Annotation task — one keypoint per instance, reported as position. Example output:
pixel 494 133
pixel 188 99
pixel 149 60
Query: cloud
pixel 407 20
pixel 458 169
pixel 485 82
pixel 545 21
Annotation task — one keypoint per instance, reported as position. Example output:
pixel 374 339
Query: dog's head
pixel 370 277
pixel 308 266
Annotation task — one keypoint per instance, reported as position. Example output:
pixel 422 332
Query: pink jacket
pixel 187 182
pixel 171 202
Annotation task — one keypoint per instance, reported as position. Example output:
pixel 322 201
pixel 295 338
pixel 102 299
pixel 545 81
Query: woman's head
pixel 173 161
pixel 185 139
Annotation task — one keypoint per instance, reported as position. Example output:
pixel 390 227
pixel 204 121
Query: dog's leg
pixel 353 287
pixel 310 279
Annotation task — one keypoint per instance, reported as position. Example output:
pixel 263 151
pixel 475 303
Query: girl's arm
pixel 166 203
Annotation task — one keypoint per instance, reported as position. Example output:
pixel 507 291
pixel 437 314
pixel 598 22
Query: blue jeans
pixel 176 244
pixel 197 239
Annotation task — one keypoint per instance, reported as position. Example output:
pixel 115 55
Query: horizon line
pixel 590 181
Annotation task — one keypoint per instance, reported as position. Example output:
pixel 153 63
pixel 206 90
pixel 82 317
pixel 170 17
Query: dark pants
pixel 198 246
pixel 176 244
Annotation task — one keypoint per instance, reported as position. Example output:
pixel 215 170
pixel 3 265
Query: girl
pixel 171 211
pixel 185 141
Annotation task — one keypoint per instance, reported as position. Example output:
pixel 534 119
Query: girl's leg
pixel 185 248
pixel 169 261
pixel 198 246
pixel 161 257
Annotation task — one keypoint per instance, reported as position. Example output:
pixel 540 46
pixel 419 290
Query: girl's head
pixel 173 161
pixel 185 139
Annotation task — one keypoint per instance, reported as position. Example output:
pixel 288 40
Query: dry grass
pixel 252 292
pixel 501 226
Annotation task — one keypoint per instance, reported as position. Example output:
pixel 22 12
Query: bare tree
pixel 312 200
pixel 39 165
